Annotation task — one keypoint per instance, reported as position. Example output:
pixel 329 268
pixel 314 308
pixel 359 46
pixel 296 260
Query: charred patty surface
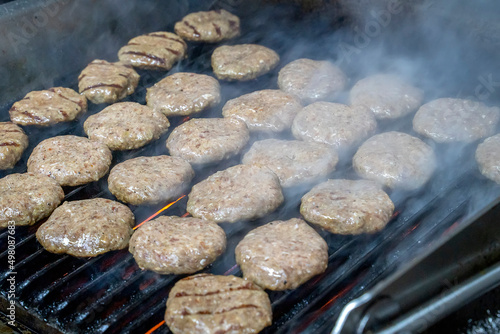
pixel 210 27
pixel 211 304
pixel 27 198
pixel 208 140
pixel 347 206
pixel 238 193
pixel 47 107
pixel 456 120
pixel 488 158
pixel 282 254
pixel 13 142
pixel 87 228
pixel 150 180
pixel 70 160
pixel 126 126
pixel 396 160
pixel 173 245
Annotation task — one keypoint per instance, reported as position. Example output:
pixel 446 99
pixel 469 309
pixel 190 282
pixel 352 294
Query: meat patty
pixel 126 126
pixel 211 304
pixel 488 158
pixel 87 228
pixel 387 96
pixel 238 193
pixel 456 120
pixel 150 180
pixel 208 140
pixel 211 27
pixel 347 206
pixel 173 245
pixel 13 142
pixel 158 50
pixel 282 255
pixel 293 161
pixel 268 110
pixel 311 80
pixel 28 198
pixel 70 160
pixel 396 160
pixel 103 82
pixel 47 107
pixel 335 124
pixel 243 62
pixel 182 94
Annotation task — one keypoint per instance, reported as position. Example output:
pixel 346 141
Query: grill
pixel 110 294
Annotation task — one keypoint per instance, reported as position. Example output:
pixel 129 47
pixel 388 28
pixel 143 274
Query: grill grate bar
pixel 41 272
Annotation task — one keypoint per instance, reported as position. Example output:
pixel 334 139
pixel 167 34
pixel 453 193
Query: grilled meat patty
pixel 311 80
pixel 456 120
pixel 70 160
pixel 347 206
pixel 173 245
pixel 488 158
pixel 335 124
pixel 282 254
pixel 210 27
pixel 150 180
pixel 104 82
pixel 28 198
pixel 126 126
pixel 13 142
pixel 238 193
pixel 243 62
pixel 182 94
pixel 47 107
pixel 158 50
pixel 293 161
pixel 208 140
pixel 386 95
pixel 268 110
pixel 396 160
pixel 87 228
pixel 206 303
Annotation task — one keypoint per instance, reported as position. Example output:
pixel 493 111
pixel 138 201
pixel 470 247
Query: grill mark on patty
pixel 232 24
pixel 30 115
pixel 208 312
pixel 195 277
pixel 217 29
pixel 10 143
pixel 216 292
pixel 144 54
pixel 169 38
pixel 4 131
pixel 79 103
pixel 102 85
pixel 175 52
pixel 195 32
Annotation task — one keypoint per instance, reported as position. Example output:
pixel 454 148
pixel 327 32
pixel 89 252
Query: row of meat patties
pixel 279 255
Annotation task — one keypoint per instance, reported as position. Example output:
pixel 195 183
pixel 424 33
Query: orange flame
pixel 185 215
pixel 160 211
pixel 155 327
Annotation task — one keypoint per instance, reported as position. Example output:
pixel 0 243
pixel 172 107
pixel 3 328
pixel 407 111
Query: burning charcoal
pixel 87 228
pixel 28 198
pixel 387 96
pixel 293 161
pixel 154 51
pixel 347 207
pixel 182 94
pixel 282 255
pixel 488 158
pixel 338 125
pixel 396 160
pixel 211 27
pixel 311 80
pixel 268 110
pixel 456 120
pixel 206 303
pixel 126 126
pixel 70 160
pixel 103 82
pixel 13 142
pixel 243 62
pixel 47 107
pixel 173 245
pixel 150 180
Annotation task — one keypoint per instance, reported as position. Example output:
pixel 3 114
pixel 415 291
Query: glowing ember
pixel 185 215
pixel 160 211
pixel 185 119
pixel 155 327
